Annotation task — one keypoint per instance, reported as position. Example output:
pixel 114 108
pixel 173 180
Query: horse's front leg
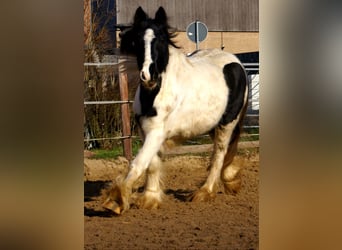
pixel 153 193
pixel 119 200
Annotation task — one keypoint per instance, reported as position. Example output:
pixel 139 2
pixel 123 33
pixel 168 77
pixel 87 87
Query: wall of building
pixel 234 42
pixel 233 24
pixel 218 15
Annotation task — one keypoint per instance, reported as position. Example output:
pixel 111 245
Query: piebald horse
pixel 181 96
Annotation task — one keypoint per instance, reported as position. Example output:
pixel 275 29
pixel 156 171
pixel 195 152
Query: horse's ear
pixel 139 16
pixel 161 17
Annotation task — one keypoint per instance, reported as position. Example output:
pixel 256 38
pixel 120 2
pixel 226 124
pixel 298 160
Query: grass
pixel 107 154
pixel 116 151
pixel 248 135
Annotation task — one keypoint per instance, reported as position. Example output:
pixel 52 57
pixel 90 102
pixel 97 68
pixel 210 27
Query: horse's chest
pixel 144 101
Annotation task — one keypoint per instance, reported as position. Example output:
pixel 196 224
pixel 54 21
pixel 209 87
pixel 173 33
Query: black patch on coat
pixel 236 80
pixel 147 97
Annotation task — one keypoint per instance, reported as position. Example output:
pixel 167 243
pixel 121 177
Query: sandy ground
pixel 228 222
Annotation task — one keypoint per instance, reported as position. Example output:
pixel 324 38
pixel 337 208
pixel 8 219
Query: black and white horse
pixel 181 97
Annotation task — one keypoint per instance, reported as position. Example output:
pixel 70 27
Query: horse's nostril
pixel 142 76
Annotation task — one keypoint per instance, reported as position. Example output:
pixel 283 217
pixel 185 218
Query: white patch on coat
pixel 193 94
pixel 145 72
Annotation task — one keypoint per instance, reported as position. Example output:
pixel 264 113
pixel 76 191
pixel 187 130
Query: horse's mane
pixel 171 36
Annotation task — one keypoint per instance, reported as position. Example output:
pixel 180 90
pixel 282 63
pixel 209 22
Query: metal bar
pixel 107 138
pixel 101 64
pixel 117 63
pixel 196 35
pixel 250 64
pixel 137 137
pixel 251 126
pixel 106 102
pixel 248 135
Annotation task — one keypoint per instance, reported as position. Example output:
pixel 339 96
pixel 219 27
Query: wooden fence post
pixel 125 113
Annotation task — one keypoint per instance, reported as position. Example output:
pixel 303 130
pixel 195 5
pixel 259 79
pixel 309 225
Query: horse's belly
pixel 192 127
pixel 199 118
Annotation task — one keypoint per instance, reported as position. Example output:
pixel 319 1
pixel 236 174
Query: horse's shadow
pixel 180 194
pixel 90 212
pixel 94 189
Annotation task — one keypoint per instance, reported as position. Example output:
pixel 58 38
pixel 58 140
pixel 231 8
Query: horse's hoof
pixel 202 195
pixel 232 187
pixel 112 205
pixel 115 201
pixel 150 201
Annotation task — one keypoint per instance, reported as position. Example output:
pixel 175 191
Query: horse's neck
pixel 177 58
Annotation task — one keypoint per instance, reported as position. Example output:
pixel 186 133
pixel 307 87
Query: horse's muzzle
pixel 149 84
pixel 145 76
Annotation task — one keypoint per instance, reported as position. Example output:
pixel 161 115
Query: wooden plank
pixel 218 15
pixel 125 113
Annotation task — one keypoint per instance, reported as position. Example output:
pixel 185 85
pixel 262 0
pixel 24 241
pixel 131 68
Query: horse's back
pixel 207 93
pixel 213 56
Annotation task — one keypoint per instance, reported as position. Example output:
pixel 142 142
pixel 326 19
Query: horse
pixel 180 96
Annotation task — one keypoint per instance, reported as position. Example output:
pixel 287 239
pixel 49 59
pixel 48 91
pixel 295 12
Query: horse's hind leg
pixel 227 135
pixel 153 194
pixel 223 134
pixel 230 173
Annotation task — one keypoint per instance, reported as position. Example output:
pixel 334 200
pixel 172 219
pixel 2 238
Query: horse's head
pixel 148 39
